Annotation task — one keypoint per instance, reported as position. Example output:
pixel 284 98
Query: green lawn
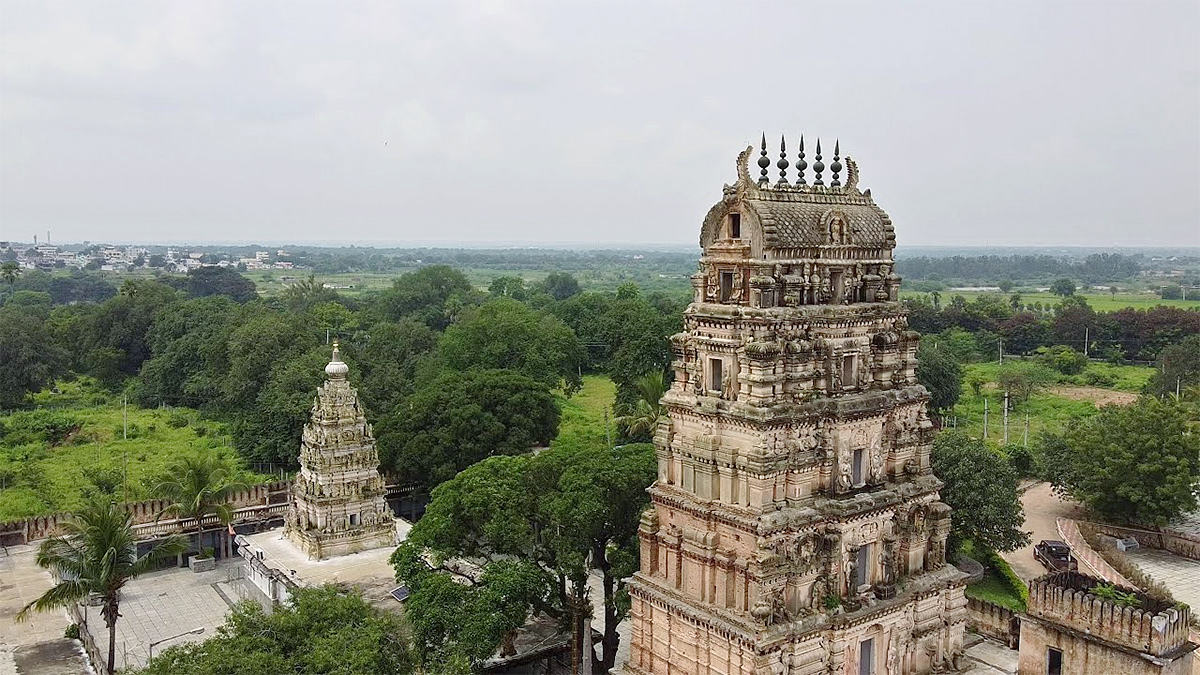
pixel 1100 301
pixel 41 475
pixel 583 413
pixel 994 587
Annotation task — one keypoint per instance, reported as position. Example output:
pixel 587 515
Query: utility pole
pixel 1006 417
pixel 985 417
pixel 1027 430
pixel 1085 340
pixel 1001 351
pixel 125 417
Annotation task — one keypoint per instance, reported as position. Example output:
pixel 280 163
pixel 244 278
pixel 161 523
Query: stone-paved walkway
pixel 1180 575
pixel 162 604
pixel 36 646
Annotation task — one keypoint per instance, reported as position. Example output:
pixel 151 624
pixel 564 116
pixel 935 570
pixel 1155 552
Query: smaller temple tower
pixel 338 504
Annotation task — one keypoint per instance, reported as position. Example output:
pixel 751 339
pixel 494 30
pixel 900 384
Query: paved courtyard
pixel 163 604
pixel 36 646
pixel 1180 575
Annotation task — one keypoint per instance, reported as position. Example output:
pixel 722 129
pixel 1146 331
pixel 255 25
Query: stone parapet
pixel 990 619
pixel 1151 627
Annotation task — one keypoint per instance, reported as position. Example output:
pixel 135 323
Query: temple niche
pixel 795 525
pixel 338 504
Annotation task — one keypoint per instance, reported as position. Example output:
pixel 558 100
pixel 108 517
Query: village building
pixel 338 503
pixel 795 524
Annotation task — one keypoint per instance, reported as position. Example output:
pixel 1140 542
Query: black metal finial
pixel 782 163
pixel 801 165
pixel 818 166
pixel 764 163
pixel 837 164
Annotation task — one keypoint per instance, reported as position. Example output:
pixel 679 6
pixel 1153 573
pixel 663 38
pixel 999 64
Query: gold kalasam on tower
pixel 795 525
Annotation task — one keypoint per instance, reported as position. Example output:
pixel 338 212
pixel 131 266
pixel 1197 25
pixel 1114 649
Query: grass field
pixel 583 413
pixel 1055 406
pixel 86 452
pixel 1100 301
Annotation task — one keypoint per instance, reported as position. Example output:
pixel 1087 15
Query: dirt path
pixel 1101 397
pixel 1042 507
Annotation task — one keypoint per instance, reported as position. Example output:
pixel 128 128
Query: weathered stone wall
pixel 1085 654
pixel 1180 543
pixel 990 619
pixel 1064 598
pixel 144 514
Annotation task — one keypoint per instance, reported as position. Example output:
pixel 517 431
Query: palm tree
pixel 199 485
pixel 9 271
pixel 97 556
pixel 648 409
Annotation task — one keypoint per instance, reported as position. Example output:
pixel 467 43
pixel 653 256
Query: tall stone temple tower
pixel 338 504
pixel 795 525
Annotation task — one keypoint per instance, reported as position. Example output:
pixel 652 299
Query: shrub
pixel 1063 359
pixel 1096 379
pixel 177 420
pixel 1022 460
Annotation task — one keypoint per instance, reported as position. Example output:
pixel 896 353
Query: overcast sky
pixel 273 122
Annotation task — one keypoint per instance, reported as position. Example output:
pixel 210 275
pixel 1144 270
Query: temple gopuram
pixel 338 504
pixel 795 525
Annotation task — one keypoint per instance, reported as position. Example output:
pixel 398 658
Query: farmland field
pixel 1100 301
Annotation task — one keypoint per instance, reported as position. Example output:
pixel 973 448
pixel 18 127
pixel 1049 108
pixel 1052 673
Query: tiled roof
pixel 798 222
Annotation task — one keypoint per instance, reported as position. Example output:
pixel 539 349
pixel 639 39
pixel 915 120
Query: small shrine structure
pixel 337 503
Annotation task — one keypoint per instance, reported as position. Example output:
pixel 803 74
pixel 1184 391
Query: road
pixel 1042 508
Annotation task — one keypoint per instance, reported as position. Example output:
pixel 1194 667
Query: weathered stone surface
pixel 337 503
pixel 795 525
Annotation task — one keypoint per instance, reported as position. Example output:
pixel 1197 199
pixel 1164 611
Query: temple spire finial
pixel 818 166
pixel 801 165
pixel 763 163
pixel 783 162
pixel 336 369
pixel 836 166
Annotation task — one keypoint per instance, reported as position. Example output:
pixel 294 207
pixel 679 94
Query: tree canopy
pixel 323 630
pixel 1133 464
pixel 941 374
pixel 458 419
pixel 981 487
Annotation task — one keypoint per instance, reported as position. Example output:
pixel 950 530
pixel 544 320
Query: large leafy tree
pixel 324 630
pixel 565 511
pixel 391 357
pixel 189 354
pixel 427 295
pixel 981 487
pixel 205 281
pixel 1178 368
pixel 1137 464
pixel 941 374
pixel 97 556
pixel 29 358
pixel 505 333
pixel 199 485
pixel 559 285
pixel 458 419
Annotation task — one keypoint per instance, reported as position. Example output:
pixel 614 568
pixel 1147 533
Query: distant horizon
pixel 563 245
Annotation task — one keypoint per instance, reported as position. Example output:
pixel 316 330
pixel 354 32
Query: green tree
pixel 205 281
pixel 1063 287
pixel 1022 379
pixel 460 418
pixel 559 285
pixel 941 374
pixel 9 271
pixel 640 421
pixel 567 510
pixel 391 358
pixel 96 556
pixel 268 430
pixel 1063 359
pixel 508 287
pixel 199 485
pixel 29 357
pixel 1177 368
pixel 981 487
pixel 305 293
pixel 504 333
pixel 1131 464
pixel 425 295
pixel 323 630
